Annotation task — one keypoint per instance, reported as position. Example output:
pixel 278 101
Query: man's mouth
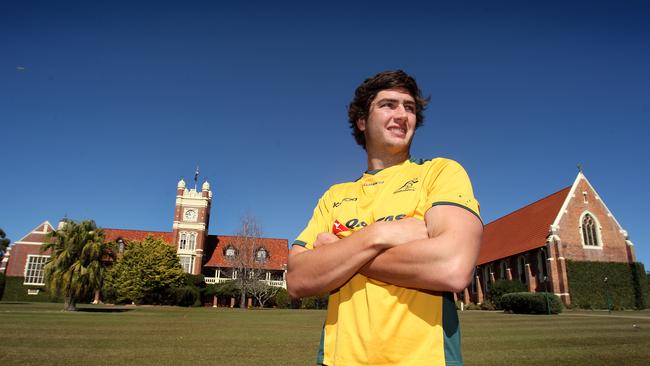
pixel 397 130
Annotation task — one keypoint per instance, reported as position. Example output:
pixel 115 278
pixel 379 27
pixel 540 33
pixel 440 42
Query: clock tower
pixel 191 221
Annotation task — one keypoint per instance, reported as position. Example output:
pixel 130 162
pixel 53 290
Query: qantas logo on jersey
pixel 356 223
pixel 408 186
pixel 337 204
pixel 338 229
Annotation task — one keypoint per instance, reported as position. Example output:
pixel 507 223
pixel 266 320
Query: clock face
pixel 190 215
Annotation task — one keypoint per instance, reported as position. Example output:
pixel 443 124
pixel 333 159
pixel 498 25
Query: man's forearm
pixel 443 262
pixel 328 267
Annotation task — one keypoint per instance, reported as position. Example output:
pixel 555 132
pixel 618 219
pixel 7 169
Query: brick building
pixel 534 243
pixel 198 252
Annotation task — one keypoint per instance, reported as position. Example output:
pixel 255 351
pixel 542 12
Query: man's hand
pixel 325 238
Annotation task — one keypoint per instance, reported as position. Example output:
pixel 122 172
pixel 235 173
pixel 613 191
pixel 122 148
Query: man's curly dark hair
pixel 368 90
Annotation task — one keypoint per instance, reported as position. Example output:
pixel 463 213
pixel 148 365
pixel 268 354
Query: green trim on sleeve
pixel 443 203
pixel 299 243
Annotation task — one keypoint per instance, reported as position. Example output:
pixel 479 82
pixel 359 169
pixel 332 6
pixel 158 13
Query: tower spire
pixel 196 177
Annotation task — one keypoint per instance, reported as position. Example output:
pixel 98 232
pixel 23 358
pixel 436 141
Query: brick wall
pixel 613 243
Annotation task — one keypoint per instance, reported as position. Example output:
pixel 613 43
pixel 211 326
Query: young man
pixel 391 247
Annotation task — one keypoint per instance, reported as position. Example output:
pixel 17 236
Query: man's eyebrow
pixel 393 100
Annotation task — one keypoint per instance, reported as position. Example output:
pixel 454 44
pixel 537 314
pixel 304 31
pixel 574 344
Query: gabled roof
pixel 521 230
pixel 114 234
pixel 38 235
pixel 277 249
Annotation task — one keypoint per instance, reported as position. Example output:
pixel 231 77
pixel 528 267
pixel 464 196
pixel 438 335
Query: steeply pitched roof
pixel 277 249
pixel 521 230
pixel 113 234
pixel 38 235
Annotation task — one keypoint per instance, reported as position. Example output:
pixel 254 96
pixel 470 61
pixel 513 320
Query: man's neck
pixel 386 160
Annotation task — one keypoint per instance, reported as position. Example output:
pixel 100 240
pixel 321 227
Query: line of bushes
pixel 531 303
pixel 14 290
pixel 626 287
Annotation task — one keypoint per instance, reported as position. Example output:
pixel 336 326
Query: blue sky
pixel 105 106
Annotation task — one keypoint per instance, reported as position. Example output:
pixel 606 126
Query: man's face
pixel 391 122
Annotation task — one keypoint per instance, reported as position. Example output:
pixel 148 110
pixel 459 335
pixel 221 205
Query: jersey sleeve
pixel 319 223
pixel 449 184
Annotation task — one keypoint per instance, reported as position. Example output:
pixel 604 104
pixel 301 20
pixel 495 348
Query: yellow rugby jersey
pixel 370 322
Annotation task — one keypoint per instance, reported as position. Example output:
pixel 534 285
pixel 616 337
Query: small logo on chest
pixel 408 186
pixel 337 204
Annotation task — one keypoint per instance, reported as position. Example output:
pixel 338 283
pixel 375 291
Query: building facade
pixel 534 243
pixel 217 257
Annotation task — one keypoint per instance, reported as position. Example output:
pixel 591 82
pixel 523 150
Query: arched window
pixel 541 265
pixel 521 268
pixel 487 270
pixel 192 241
pixel 590 231
pixel 261 255
pixel 183 241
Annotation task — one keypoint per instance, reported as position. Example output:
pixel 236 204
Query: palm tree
pixel 78 260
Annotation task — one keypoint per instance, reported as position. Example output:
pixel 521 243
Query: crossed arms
pixel 438 254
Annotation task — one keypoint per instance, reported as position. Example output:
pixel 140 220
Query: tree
pixel 4 243
pixel 249 267
pixel 263 292
pixel 77 264
pixel 148 272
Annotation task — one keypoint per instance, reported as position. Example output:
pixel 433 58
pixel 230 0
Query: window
pixel 183 241
pixel 487 271
pixel 589 228
pixel 192 241
pixel 541 265
pixel 187 262
pixel 261 255
pixel 34 269
pixel 187 241
pixel 521 268
pixel 503 273
pixel 230 253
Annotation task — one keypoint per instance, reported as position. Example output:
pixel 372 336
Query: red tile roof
pixel 113 234
pixel 521 230
pixel 278 251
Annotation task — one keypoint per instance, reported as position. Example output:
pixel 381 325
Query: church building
pixel 535 243
pixel 217 257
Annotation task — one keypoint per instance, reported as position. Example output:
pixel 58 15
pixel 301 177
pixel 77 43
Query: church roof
pixel 521 230
pixel 277 251
pixel 114 234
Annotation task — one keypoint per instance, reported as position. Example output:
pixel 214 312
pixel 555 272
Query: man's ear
pixel 361 124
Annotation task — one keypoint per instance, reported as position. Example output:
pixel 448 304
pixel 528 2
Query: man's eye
pixel 409 108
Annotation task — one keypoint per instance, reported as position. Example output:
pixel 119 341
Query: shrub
pixel 472 306
pixel 314 302
pixel 185 296
pixel 531 303
pixel 282 299
pixel 2 284
pixel 487 305
pixel 502 287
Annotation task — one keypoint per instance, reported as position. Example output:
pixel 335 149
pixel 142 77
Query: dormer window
pixel 261 255
pixel 230 253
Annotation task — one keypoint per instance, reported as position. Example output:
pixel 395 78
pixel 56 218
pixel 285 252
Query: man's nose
pixel 400 111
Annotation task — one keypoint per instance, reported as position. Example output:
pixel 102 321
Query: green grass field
pixel 41 334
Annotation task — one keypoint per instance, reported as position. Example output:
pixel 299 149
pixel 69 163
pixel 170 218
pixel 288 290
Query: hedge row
pixel 626 286
pixel 531 303
pixel 14 290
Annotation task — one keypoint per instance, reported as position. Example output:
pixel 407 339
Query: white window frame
pixel 598 238
pixel 36 274
pixel 187 263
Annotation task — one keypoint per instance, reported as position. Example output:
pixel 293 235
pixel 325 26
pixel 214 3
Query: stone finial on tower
pixel 205 186
pixel 181 184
